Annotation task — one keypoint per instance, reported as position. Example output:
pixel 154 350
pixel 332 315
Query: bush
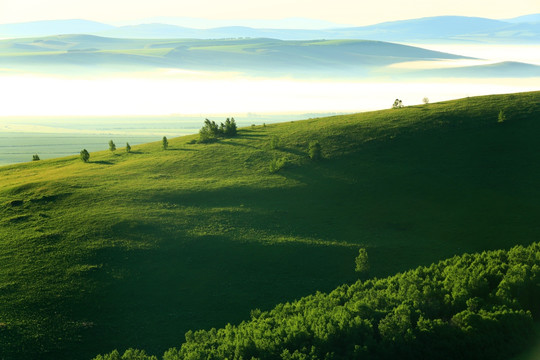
pixel 165 143
pixel 362 261
pixel 315 150
pixel 85 155
pixel 35 157
pixel 502 117
pixel 112 146
pixel 277 164
pixel 128 148
pixel 398 104
pixel 425 100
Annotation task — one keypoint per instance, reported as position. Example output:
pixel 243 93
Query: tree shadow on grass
pixel 292 151
pixel 195 282
pixel 182 149
pixel 249 136
pixel 233 143
pixel 102 162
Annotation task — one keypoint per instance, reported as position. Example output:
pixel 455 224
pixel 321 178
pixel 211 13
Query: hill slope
pixel 133 250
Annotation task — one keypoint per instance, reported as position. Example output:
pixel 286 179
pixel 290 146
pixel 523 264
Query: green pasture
pixel 134 249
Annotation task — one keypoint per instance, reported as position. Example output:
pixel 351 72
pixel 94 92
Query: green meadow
pixel 135 249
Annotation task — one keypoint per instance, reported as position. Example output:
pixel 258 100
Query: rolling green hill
pixel 133 250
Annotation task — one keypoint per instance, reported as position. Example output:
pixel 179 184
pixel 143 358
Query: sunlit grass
pixel 134 249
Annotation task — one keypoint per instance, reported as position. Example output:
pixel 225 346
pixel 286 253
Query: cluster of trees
pixel 112 146
pixel 211 131
pixel 398 104
pixel 478 306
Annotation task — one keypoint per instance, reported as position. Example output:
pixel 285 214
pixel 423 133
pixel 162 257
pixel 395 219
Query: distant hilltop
pixel 440 29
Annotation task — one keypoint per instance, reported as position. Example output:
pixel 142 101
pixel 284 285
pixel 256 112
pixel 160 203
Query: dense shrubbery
pixel 211 131
pixel 468 307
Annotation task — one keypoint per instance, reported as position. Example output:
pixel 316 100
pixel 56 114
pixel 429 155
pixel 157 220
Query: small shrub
pixel 425 100
pixel 165 143
pixel 277 164
pixel 128 148
pixel 35 157
pixel 191 142
pixel 85 155
pixel 112 146
pixel 315 150
pixel 362 261
pixel 502 117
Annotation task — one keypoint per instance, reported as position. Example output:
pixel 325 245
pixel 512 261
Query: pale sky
pixel 354 12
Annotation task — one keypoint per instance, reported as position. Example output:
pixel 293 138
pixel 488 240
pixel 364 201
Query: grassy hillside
pixel 133 250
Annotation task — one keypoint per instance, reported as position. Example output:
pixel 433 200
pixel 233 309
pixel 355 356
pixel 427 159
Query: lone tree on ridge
pixel 112 146
pixel 85 155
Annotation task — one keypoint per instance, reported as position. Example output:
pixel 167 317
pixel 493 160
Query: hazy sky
pixel 354 12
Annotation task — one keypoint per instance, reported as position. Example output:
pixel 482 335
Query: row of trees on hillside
pixel 478 306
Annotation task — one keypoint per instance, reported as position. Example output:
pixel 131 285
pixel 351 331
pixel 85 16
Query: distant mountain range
pixel 260 57
pixel 197 23
pixel 52 27
pixel 441 29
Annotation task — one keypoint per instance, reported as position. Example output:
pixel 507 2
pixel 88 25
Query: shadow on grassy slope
pixel 179 240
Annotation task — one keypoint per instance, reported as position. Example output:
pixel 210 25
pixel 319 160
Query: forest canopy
pixel 478 306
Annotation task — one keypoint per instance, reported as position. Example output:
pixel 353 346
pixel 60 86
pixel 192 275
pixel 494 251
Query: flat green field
pixel 133 250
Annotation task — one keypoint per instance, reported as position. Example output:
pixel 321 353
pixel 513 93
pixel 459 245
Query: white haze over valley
pixel 169 91
pixel 174 102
